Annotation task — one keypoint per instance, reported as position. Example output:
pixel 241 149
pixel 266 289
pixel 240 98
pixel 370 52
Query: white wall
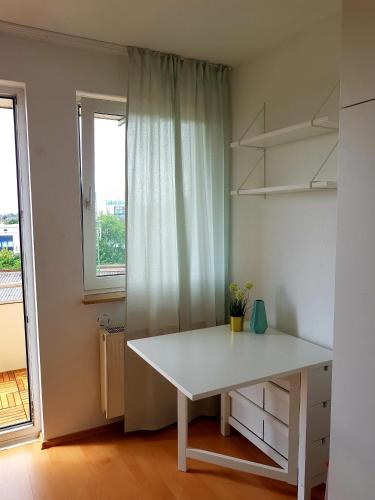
pixel 67 328
pixel 286 243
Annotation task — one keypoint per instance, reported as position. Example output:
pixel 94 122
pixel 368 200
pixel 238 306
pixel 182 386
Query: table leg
pixel 182 429
pixel 224 414
pixel 293 438
pixel 304 484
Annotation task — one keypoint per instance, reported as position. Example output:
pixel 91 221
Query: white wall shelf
pixel 293 188
pixel 304 130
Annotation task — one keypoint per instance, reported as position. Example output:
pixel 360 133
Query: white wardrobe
pixel 352 460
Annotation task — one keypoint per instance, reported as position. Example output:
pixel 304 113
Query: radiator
pixel 112 352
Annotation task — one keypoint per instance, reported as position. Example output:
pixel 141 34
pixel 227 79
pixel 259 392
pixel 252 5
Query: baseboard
pixel 76 436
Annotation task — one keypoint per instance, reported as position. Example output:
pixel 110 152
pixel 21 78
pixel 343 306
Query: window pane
pixel 109 196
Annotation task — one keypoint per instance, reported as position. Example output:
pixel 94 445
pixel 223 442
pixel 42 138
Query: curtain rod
pixel 182 58
pixel 80 42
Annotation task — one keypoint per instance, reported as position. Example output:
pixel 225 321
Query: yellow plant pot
pixel 236 323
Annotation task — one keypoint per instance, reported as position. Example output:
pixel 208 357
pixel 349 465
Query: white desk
pixel 212 361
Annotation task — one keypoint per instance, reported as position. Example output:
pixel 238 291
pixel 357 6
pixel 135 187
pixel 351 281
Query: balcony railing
pixel 10 287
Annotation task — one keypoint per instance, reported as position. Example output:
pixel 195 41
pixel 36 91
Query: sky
pixel 8 172
pixel 109 162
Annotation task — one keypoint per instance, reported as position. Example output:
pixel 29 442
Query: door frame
pixel 31 430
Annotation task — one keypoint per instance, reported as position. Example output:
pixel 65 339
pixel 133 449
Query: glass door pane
pixel 14 375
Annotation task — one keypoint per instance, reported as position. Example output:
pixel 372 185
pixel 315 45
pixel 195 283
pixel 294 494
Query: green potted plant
pixel 238 299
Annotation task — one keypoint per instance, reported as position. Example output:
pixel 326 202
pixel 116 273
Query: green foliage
pixel 12 220
pixel 9 260
pixel 111 239
pixel 238 298
pixel 9 218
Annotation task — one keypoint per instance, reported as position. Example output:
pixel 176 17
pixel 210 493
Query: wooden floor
pixel 137 466
pixel 14 398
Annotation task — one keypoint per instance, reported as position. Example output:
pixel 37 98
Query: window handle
pixel 88 201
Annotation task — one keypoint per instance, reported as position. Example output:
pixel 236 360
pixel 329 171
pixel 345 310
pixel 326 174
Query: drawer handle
pixel 326 368
pixel 325 404
pixel 323 440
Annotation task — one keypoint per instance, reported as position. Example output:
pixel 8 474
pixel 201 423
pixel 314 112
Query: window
pixel 19 380
pixel 102 141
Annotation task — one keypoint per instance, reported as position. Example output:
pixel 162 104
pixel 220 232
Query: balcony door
pixel 19 375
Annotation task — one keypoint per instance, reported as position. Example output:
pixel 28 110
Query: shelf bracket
pixel 262 111
pixel 259 160
pixel 327 98
pixel 324 162
pixel 253 122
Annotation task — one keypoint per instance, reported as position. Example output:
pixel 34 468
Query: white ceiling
pixel 225 31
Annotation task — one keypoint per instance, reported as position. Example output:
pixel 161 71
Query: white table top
pixel 202 363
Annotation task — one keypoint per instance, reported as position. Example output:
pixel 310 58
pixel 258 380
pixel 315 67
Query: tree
pixel 111 239
pixel 10 218
pixel 9 260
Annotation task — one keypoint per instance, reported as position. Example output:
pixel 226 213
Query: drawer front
pixel 320 421
pixel 319 453
pixel 276 402
pixel 282 382
pixel 320 384
pixel 276 435
pixel 254 393
pixel 247 414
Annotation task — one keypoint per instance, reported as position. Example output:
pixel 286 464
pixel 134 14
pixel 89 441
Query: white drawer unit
pixel 318 456
pixel 320 420
pixel 276 401
pixel 320 390
pixel 267 414
pixel 276 435
pixel 282 382
pixel 254 393
pixel 247 413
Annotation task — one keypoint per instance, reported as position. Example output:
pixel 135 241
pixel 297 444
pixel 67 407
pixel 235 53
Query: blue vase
pixel 258 321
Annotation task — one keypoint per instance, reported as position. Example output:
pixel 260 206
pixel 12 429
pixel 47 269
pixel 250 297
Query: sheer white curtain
pixel 177 170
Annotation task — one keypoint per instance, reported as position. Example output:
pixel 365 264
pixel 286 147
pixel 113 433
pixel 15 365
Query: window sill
pixel 99 298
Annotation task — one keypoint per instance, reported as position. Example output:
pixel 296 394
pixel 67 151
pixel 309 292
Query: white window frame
pixel 28 431
pixel 89 107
